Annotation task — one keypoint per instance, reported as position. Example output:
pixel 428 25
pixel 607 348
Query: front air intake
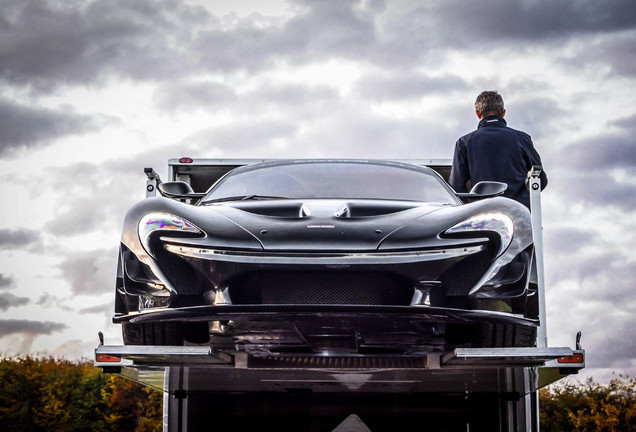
pixel 315 288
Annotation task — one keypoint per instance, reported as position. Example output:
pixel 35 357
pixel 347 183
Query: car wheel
pixel 506 335
pixel 152 334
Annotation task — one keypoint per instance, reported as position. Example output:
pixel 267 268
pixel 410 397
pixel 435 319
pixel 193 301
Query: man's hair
pixel 489 103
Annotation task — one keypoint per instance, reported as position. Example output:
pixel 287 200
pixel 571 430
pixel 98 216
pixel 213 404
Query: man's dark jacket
pixel 498 153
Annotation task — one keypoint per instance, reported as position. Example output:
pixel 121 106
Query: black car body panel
pixel 279 252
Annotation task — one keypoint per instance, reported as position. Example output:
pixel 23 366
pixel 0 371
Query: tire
pixel 506 336
pixel 152 334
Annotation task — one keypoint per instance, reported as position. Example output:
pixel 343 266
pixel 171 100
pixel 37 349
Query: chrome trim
pixel 322 258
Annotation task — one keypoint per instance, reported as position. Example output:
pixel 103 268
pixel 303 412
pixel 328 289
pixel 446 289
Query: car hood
pixel 327 225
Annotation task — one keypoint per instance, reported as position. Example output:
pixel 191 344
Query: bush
pixel 590 406
pixel 61 395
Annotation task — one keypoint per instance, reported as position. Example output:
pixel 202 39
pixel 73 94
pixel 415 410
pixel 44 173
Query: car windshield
pixel 349 180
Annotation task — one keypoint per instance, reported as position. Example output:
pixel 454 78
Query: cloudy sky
pixel 93 91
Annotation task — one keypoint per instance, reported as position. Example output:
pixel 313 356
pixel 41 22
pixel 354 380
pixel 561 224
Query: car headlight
pixel 496 222
pixel 162 222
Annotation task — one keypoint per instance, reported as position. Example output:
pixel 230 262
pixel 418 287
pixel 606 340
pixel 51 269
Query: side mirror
pixel 178 189
pixel 485 189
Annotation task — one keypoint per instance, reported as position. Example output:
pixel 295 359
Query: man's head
pixel 489 103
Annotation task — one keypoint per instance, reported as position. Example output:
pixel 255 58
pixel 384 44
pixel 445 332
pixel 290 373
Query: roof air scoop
pixel 343 212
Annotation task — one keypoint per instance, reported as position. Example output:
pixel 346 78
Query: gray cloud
pixel 304 101
pixel 626 123
pixel 614 349
pixel 47 45
pixel 568 240
pixel 25 127
pixel 78 216
pixel 266 98
pixel 527 20
pixel 618 280
pixel 405 86
pixel 610 273
pixel 49 301
pixel 241 137
pixel 6 281
pixel 8 300
pixel 11 326
pixel 110 183
pixel 529 115
pixel 607 55
pixel 620 53
pixel 576 266
pixel 603 152
pixel 19 238
pixel 333 28
pixel 319 30
pixel 594 188
pixel 90 273
pixel 588 177
pixel 102 309
pixel 416 33
pixel 173 97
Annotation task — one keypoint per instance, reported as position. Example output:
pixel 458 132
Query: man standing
pixel 494 152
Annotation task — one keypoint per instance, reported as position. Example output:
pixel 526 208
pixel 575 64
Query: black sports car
pixel 316 257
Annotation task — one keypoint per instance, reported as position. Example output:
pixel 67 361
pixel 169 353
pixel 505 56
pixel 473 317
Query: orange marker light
pixel 574 358
pixel 105 358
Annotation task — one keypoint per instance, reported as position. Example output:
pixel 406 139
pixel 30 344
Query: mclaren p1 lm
pixel 316 257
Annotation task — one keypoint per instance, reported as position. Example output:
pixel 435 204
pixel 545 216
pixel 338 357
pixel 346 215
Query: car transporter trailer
pixel 466 389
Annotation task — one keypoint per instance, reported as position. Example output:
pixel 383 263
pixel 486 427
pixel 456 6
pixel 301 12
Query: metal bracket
pixel 153 181
pixel 535 171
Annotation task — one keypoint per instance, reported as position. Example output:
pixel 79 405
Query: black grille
pixel 315 288
pixel 338 362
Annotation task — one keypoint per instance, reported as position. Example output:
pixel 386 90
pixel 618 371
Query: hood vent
pixel 344 212
pixel 368 209
pixel 338 209
pixel 291 210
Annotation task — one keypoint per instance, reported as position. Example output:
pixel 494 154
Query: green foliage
pixel 133 407
pixel 60 395
pixel 589 407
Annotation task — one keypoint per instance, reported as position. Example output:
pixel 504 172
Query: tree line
pixel 589 407
pixel 48 394
pixel 60 395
